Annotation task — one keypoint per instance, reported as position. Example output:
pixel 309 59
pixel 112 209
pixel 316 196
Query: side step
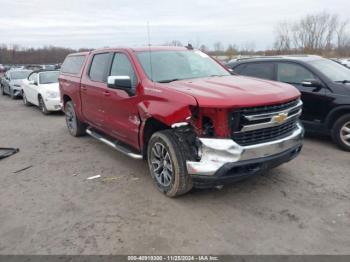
pixel 116 146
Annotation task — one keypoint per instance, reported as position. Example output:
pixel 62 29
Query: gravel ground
pixel 302 207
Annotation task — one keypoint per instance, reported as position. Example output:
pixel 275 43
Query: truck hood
pixel 236 91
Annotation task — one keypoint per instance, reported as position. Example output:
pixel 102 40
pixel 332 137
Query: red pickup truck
pixel 183 112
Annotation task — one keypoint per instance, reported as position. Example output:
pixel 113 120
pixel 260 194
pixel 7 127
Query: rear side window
pixel 260 70
pixel 293 73
pixel 73 64
pixel 98 67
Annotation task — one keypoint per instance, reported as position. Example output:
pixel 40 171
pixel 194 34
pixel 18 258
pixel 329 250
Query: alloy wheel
pixel 162 165
pixel 345 133
pixel 70 118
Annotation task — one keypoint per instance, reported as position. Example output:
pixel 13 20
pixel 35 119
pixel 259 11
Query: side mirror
pixel 120 82
pixel 312 83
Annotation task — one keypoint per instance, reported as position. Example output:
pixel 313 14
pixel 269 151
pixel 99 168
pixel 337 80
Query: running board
pixel 117 147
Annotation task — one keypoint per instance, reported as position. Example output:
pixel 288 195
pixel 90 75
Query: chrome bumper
pixel 215 153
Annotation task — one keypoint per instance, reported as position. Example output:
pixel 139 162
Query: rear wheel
pixel 25 101
pixel 2 90
pixel 75 126
pixel 42 106
pixel 341 132
pixel 167 164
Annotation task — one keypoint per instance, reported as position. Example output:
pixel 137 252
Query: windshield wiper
pixel 343 81
pixel 217 75
pixel 169 81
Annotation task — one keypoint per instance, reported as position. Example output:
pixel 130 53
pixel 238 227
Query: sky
pixel 94 24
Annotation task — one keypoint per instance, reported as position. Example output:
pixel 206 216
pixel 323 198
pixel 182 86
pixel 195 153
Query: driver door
pixel 121 112
pixel 315 99
pixel 31 89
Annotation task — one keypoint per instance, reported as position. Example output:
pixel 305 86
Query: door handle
pixel 106 93
pixel 84 88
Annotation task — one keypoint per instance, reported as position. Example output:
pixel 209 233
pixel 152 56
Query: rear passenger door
pixel 94 91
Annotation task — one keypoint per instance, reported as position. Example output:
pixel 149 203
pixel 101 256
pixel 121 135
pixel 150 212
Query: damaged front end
pixel 209 138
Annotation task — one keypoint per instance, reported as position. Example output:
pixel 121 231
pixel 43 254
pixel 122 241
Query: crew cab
pixel 179 109
pixel 41 89
pixel 324 86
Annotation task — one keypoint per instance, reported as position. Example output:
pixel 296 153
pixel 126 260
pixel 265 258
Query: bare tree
pixel 283 40
pixel 315 33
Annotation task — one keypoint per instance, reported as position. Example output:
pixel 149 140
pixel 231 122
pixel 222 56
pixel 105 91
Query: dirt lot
pixel 302 207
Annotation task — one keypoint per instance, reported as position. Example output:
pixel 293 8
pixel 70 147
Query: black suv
pixel 324 85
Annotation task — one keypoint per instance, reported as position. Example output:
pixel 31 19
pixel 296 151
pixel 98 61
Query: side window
pixel 122 66
pixel 260 70
pixel 239 69
pixel 98 67
pixel 293 73
pixel 73 64
pixel 33 77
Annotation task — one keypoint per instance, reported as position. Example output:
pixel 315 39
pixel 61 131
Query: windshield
pixel 19 75
pixel 334 71
pixel 170 66
pixel 48 77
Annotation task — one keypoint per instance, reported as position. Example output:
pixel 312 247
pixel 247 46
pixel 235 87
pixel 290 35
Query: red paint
pixel 122 116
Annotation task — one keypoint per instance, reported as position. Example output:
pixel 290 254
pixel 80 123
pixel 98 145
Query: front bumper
pixel 219 155
pixel 53 104
pixel 17 92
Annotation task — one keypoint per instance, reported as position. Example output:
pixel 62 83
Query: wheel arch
pixel 150 126
pixel 335 114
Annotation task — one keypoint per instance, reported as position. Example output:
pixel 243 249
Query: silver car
pixel 11 83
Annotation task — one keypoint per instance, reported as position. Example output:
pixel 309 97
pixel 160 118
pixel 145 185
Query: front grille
pixel 266 134
pixel 268 109
pixel 258 125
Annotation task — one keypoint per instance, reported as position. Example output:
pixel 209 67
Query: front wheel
pixel 42 106
pixel 341 132
pixel 167 164
pixel 2 90
pixel 75 127
pixel 25 101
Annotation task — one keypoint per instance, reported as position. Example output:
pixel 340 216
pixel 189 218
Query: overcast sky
pixel 91 23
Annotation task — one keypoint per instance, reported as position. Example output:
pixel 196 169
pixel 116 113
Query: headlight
pixel 51 94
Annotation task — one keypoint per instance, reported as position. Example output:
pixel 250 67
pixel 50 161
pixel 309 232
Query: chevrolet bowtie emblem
pixel 280 118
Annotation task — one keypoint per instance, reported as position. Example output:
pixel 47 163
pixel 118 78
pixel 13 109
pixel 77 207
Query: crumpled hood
pixel 236 91
pixel 16 82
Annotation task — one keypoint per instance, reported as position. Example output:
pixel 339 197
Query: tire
pixel 75 126
pixel 341 132
pixel 25 101
pixel 3 90
pixel 42 106
pixel 166 153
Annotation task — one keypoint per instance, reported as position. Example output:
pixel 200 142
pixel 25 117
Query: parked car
pixel 12 82
pixel 324 85
pixel 345 62
pixel 41 89
pixel 182 111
